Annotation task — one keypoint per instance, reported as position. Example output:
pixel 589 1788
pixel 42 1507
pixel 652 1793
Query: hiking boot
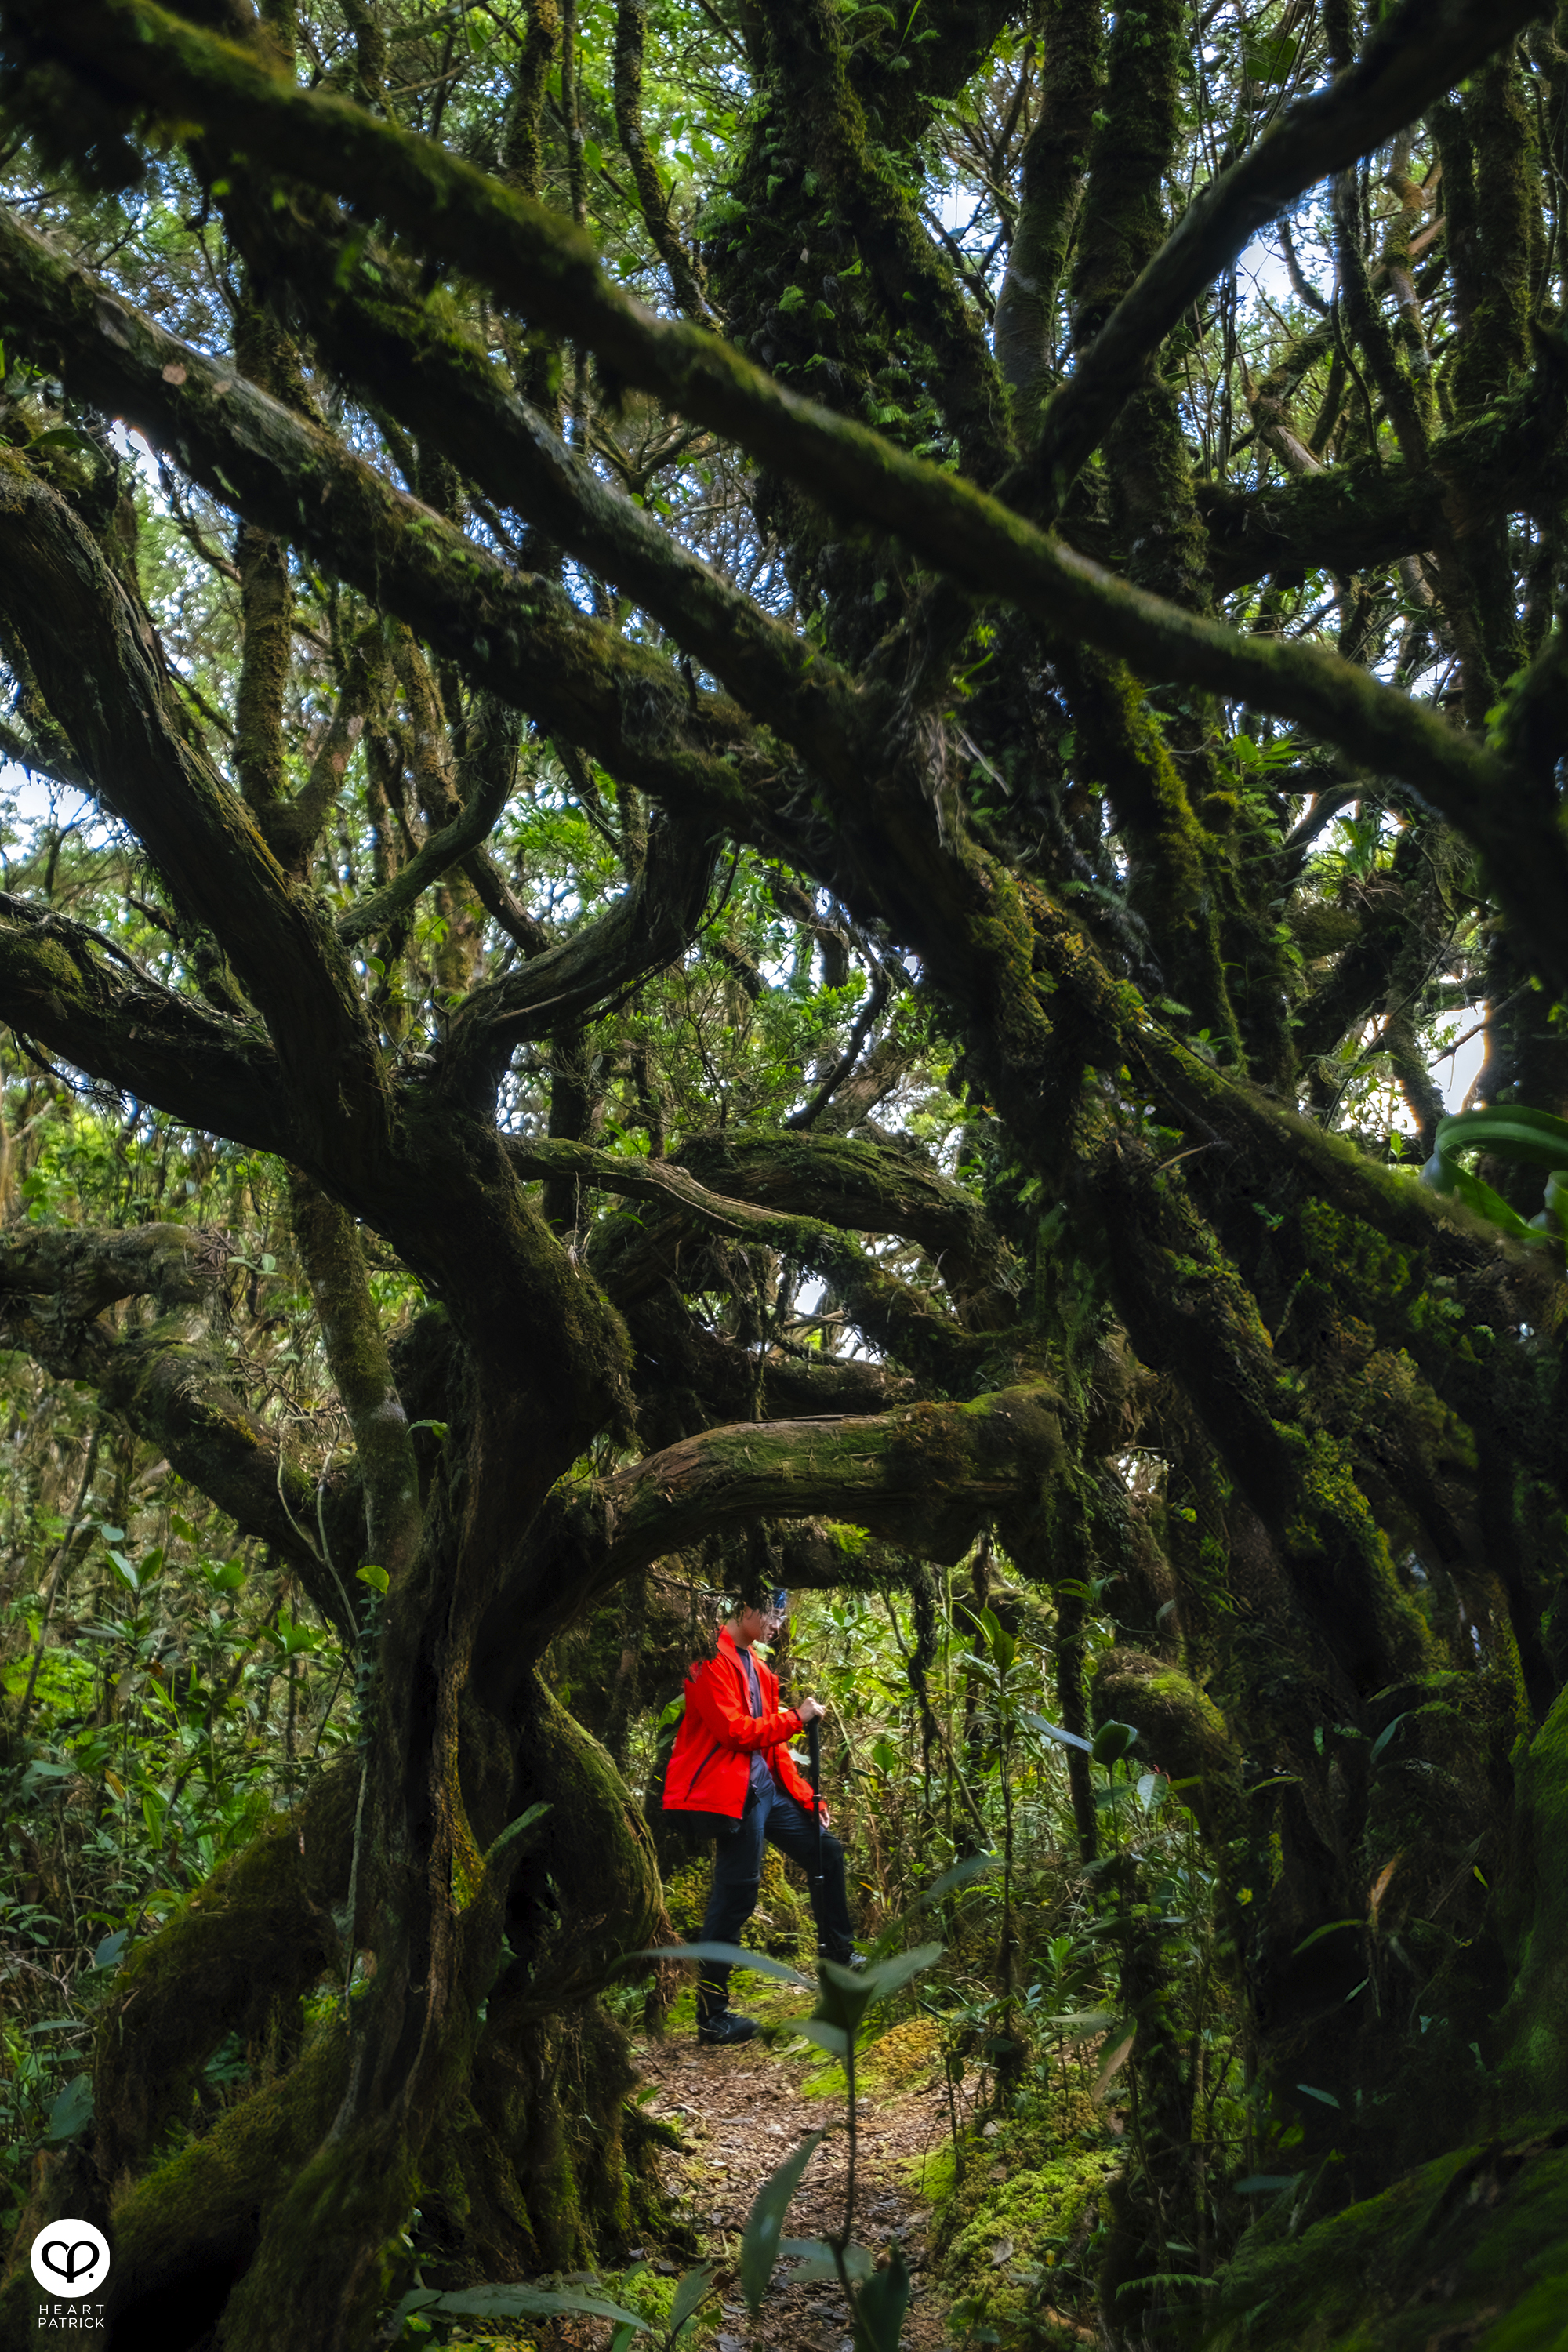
pixel 724 2029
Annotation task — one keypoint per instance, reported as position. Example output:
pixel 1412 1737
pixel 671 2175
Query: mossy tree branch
pixel 166 1377
pixel 855 1186
pixel 926 1474
pixel 427 373
pixel 334 1261
pixel 685 272
pixel 1415 55
pixel 542 266
pixel 517 634
pixel 1056 157
pixel 60 986
pixel 897 1316
pixel 97 656
pixel 914 283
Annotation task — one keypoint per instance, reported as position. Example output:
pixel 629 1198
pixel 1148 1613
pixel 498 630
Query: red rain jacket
pixel 709 1768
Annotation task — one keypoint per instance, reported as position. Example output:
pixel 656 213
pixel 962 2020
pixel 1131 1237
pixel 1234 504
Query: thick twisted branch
pixel 519 636
pixel 544 270
pixel 166 1378
pixel 58 986
pixel 1419 52
pixel 927 1474
pixel 897 1316
pixel 378 332
pixel 97 658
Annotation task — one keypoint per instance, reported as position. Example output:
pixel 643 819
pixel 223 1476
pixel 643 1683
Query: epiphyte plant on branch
pixel 825 778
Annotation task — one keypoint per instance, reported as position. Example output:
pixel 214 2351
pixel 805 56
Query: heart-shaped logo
pixel 70 2257
pixel 71 2263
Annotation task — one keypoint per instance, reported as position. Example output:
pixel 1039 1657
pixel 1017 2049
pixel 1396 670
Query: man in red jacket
pixel 730 1768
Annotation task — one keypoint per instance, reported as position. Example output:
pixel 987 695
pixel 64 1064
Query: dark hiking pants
pixel 737 1878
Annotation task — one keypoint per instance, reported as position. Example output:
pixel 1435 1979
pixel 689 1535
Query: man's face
pixel 758 1625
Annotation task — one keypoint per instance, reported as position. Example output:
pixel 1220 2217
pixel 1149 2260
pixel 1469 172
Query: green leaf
pixel 1538 1138
pixel 71 2112
pixel 500 2302
pixel 831 2038
pixel 1262 2184
pixel 1326 2097
pixel 1476 1196
pixel 1055 1731
pixel 524 1821
pixel 792 298
pixel 1317 1935
pixel 846 1994
pixel 1083 2024
pixel 732 1956
pixel 1384 1737
pixel 1114 2064
pixel 376 1578
pixel 816 2255
pixel 1272 60
pixel 1511 1132
pixel 764 2223
pixel 976 1866
pixel 1112 1741
pixel 690 2291
pixel 881 2306
pixel 63 436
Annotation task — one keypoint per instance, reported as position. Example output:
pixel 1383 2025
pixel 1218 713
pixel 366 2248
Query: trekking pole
pixel 813 1747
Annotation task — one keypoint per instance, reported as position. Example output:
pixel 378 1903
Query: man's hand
pixel 809 1709
pixel 823 1816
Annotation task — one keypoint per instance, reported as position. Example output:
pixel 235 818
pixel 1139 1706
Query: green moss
pixel 1336 1545
pixel 1015 2241
pixel 893 2063
pixel 1136 129
pixel 1496 345
pixel 267 604
pixel 1181 1730
pixel 245 1946
pixel 1532 2031
pixel 1357 1254
pixel 1466 2252
pixel 202 2207
pixel 1003 945
pixel 1173 873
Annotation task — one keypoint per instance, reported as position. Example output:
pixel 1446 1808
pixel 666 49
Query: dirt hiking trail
pixel 741 2111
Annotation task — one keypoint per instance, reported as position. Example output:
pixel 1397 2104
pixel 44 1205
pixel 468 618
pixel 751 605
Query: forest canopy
pixel 765 758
